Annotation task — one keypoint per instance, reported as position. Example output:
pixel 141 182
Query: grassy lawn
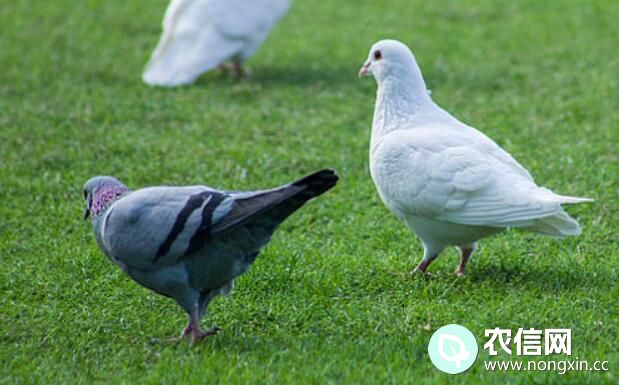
pixel 329 300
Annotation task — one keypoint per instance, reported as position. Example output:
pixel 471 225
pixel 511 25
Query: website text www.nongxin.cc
pixel 559 366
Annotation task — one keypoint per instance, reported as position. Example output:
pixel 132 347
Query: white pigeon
pixel 190 243
pixel 199 35
pixel 450 183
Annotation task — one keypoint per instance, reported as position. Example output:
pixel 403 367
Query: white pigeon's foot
pixel 235 69
pixel 466 252
pixel 244 72
pixel 225 67
pixel 421 268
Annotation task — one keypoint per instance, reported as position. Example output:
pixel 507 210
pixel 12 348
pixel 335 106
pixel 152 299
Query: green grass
pixel 328 301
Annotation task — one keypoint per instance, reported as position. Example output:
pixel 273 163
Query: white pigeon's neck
pixel 399 102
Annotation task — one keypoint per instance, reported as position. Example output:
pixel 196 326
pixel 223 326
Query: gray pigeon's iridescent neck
pixel 104 197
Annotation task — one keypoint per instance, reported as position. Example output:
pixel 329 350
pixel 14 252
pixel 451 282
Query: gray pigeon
pixel 190 243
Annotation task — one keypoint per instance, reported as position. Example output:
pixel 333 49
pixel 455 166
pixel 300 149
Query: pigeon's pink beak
pixel 365 69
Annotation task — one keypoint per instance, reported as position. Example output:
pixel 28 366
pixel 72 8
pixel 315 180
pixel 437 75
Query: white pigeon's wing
pixel 439 119
pixel 486 192
pixel 423 175
pixel 155 226
pixel 249 21
pixel 488 146
pixel 191 43
pixel 246 19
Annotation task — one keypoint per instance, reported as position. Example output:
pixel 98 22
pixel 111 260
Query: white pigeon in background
pixel 449 182
pixel 199 35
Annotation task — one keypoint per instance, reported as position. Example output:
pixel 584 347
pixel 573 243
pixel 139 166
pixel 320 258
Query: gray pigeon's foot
pixel 188 330
pixel 193 332
pixel 198 335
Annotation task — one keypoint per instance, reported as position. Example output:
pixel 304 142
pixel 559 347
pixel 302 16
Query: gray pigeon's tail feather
pixel 316 184
pixel 269 208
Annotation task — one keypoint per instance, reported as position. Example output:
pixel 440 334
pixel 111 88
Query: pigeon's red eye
pixel 377 55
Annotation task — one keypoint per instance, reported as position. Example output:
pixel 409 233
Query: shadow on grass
pixel 302 75
pixel 555 278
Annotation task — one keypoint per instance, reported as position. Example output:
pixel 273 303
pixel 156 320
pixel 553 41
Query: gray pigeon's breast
pixel 171 281
pixel 218 263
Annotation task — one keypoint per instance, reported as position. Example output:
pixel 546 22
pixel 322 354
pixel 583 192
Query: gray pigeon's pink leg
pixel 188 330
pixel 466 252
pixel 193 328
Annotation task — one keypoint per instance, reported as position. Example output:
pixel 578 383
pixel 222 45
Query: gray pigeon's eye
pixel 377 55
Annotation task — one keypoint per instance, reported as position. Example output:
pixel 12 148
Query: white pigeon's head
pixel 389 58
pixel 99 192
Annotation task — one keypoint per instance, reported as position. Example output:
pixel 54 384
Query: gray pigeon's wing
pixel 155 226
pixel 260 213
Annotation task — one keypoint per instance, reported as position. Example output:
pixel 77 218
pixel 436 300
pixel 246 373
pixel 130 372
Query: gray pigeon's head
pixel 390 58
pixel 99 192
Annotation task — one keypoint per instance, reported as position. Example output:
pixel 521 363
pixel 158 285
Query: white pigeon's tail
pixel 566 199
pixel 546 195
pixel 559 224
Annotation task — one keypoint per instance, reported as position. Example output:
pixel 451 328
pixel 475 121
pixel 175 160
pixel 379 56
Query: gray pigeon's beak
pixel 365 69
pixel 87 210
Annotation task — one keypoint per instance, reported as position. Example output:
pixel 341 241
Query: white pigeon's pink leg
pixel 239 70
pixel 422 266
pixel 466 252
pixel 235 68
pixel 429 255
pixel 226 67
